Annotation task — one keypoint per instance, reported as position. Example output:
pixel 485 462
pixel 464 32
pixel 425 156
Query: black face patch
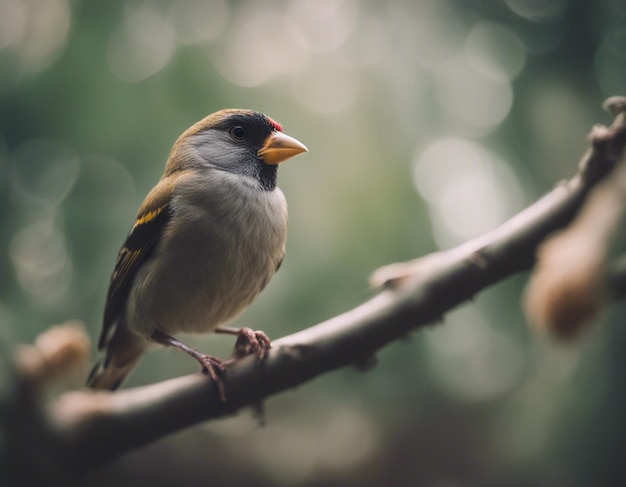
pixel 252 129
pixel 256 126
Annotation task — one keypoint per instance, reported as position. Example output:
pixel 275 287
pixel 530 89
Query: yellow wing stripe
pixel 148 217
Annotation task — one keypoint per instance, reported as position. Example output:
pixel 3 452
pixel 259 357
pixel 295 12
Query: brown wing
pixel 138 247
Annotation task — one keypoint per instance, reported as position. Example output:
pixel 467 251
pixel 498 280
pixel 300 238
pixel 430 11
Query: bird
pixel 205 242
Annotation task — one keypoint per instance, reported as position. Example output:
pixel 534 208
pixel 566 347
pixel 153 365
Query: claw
pixel 215 369
pixel 252 342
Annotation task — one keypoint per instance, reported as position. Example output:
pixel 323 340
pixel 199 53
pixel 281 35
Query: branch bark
pixel 92 428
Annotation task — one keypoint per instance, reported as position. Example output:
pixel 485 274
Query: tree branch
pixel 94 427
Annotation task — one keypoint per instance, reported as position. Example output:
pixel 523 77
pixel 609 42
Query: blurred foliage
pixel 428 122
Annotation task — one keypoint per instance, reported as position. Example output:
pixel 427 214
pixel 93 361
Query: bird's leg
pixel 213 366
pixel 248 342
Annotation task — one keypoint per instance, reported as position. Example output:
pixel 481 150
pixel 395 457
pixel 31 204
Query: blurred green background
pixel 428 123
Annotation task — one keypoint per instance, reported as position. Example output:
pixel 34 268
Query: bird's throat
pixel 268 175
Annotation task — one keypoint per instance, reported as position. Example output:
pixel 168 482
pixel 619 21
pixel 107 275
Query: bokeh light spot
pixel 340 441
pixel 470 360
pixel 42 265
pixel 326 88
pixel 44 170
pixel 197 21
pixel 469 190
pixel 36 30
pixel 13 22
pixel 258 49
pixel 538 10
pixel 322 25
pixel 610 62
pixel 494 50
pixel 142 43
pixel 368 45
pixel 470 99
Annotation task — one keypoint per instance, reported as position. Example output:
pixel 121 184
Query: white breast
pixel 223 244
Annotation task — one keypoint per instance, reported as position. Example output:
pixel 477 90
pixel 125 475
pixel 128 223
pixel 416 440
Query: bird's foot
pixel 215 368
pixel 249 342
pixel 252 342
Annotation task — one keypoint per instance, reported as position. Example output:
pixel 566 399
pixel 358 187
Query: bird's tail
pixel 123 351
pixel 108 375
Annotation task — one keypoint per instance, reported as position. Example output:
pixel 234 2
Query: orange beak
pixel 279 147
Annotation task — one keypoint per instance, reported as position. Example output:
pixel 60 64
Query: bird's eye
pixel 238 133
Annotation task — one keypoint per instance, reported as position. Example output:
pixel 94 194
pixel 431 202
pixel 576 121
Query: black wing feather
pixel 140 243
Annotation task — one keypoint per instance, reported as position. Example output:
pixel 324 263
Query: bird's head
pixel 237 141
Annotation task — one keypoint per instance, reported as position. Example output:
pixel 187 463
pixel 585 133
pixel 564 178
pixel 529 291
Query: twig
pixel 574 278
pixel 569 285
